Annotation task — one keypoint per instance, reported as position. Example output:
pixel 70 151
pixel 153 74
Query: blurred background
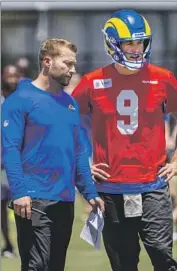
pixel 24 25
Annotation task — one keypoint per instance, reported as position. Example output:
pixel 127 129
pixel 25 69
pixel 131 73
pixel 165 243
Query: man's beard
pixel 63 80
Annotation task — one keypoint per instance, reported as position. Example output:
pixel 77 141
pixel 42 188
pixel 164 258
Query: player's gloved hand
pixel 22 207
pixel 168 170
pixel 97 203
pixel 98 173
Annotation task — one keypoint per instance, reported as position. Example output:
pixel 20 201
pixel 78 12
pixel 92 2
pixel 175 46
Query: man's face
pixel 133 50
pixel 10 78
pixel 63 67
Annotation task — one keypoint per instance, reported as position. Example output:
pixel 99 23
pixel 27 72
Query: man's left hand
pixel 97 203
pixel 168 170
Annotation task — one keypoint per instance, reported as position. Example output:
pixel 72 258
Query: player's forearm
pixel 174 159
pixel 84 181
pixel 14 170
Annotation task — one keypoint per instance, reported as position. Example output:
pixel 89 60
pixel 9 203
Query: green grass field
pixel 81 256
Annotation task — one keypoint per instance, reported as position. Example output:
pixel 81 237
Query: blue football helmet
pixel 126 25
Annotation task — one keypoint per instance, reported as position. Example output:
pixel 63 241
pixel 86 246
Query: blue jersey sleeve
pixel 84 181
pixel 12 127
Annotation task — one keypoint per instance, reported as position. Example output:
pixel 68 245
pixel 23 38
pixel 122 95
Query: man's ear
pixel 47 61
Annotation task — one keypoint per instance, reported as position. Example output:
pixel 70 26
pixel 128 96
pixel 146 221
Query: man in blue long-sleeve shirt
pixel 45 157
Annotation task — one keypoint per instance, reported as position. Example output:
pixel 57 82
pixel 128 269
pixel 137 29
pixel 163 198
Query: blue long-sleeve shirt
pixel 43 147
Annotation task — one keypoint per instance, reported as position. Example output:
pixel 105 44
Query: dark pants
pixel 43 240
pixel 155 228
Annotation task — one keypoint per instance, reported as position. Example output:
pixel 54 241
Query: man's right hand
pixel 98 173
pixel 22 207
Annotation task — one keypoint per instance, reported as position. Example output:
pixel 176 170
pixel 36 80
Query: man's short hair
pixel 51 47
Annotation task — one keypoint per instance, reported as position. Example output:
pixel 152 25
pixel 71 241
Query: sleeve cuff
pixel 91 196
pixel 20 195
